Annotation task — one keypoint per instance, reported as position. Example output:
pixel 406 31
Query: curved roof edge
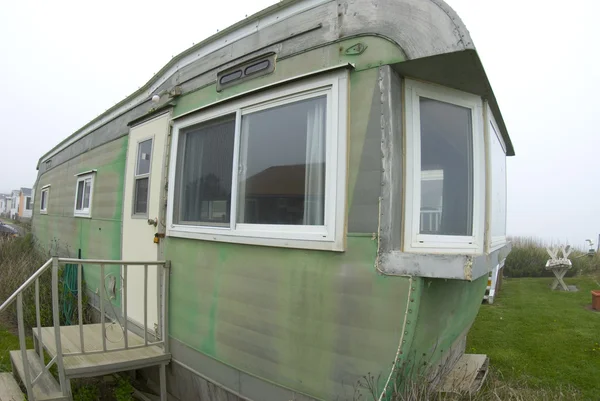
pixel 435 29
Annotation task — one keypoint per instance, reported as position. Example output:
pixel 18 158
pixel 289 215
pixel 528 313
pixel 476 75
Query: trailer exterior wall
pixel 58 231
pixel 275 323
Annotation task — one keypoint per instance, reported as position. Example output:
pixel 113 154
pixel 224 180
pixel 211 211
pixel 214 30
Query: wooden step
pixel 95 362
pixel 46 388
pixel 9 388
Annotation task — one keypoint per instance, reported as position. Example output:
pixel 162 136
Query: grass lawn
pixel 541 338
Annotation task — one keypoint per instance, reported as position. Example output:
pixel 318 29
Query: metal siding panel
pixel 364 162
pixel 311 321
pixel 99 236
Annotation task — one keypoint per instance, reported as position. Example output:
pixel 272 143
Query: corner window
pixel 83 195
pixel 268 169
pixel 497 184
pixel 142 178
pixel 445 164
pixel 44 200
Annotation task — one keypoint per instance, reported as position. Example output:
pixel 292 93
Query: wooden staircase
pixel 83 350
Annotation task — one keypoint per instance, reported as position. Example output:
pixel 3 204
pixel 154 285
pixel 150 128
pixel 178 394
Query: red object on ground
pixel 596 300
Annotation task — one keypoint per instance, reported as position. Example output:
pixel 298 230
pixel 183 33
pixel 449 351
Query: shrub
pixel 20 257
pixel 528 259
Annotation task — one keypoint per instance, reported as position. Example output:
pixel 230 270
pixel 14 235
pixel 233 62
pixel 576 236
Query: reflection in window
pixel 498 173
pixel 432 194
pixel 282 179
pixel 206 173
pixel 446 153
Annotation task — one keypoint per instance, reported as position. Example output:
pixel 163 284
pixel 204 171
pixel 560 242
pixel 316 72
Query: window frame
pixel 83 177
pixel 413 240
pixel 45 190
pixel 330 236
pixel 493 243
pixel 137 177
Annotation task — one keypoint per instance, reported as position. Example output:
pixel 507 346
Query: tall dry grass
pixel 528 258
pixel 495 388
pixel 19 259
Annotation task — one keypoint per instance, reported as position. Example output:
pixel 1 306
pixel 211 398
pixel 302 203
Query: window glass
pixel 79 204
pixel 143 160
pixel 141 196
pixel 28 203
pixel 282 158
pixel 43 200
pixel 86 194
pixel 206 174
pixel 498 173
pixel 446 168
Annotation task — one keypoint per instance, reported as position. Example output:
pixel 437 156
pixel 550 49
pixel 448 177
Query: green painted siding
pixel 98 236
pixel 446 309
pixel 312 321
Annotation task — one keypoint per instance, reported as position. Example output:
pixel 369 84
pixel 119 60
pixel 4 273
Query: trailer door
pixel 141 203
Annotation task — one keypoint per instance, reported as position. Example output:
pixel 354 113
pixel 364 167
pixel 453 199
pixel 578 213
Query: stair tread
pixel 95 362
pixel 46 388
pixel 9 388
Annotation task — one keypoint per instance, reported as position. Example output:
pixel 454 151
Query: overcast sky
pixel 62 63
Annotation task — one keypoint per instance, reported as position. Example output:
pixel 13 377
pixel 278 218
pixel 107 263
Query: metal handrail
pixel 25 285
pixel 54 262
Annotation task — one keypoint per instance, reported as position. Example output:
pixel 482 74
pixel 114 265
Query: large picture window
pixel 445 165
pixel 267 169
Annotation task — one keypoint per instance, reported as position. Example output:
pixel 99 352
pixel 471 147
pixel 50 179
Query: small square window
pixel 83 195
pixel 142 178
pixel 44 200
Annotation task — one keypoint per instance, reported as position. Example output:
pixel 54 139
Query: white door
pixel 143 174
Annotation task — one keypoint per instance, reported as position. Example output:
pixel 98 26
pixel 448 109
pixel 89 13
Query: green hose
pixel 69 295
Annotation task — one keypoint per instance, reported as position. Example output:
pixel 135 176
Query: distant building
pixel 3 204
pixel 25 206
pixel 13 210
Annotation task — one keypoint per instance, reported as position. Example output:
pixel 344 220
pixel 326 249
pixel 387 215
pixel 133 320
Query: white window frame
pixel 137 177
pixel 45 190
pixel 498 241
pixel 330 236
pixel 441 244
pixel 85 212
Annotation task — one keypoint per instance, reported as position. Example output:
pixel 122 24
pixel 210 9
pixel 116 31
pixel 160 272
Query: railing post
pixel 38 319
pixel 146 304
pixel 165 305
pixel 80 307
pixel 124 289
pixel 23 346
pixel 56 318
pixel 103 328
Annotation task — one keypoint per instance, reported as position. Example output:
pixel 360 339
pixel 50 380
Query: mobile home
pixel 322 187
